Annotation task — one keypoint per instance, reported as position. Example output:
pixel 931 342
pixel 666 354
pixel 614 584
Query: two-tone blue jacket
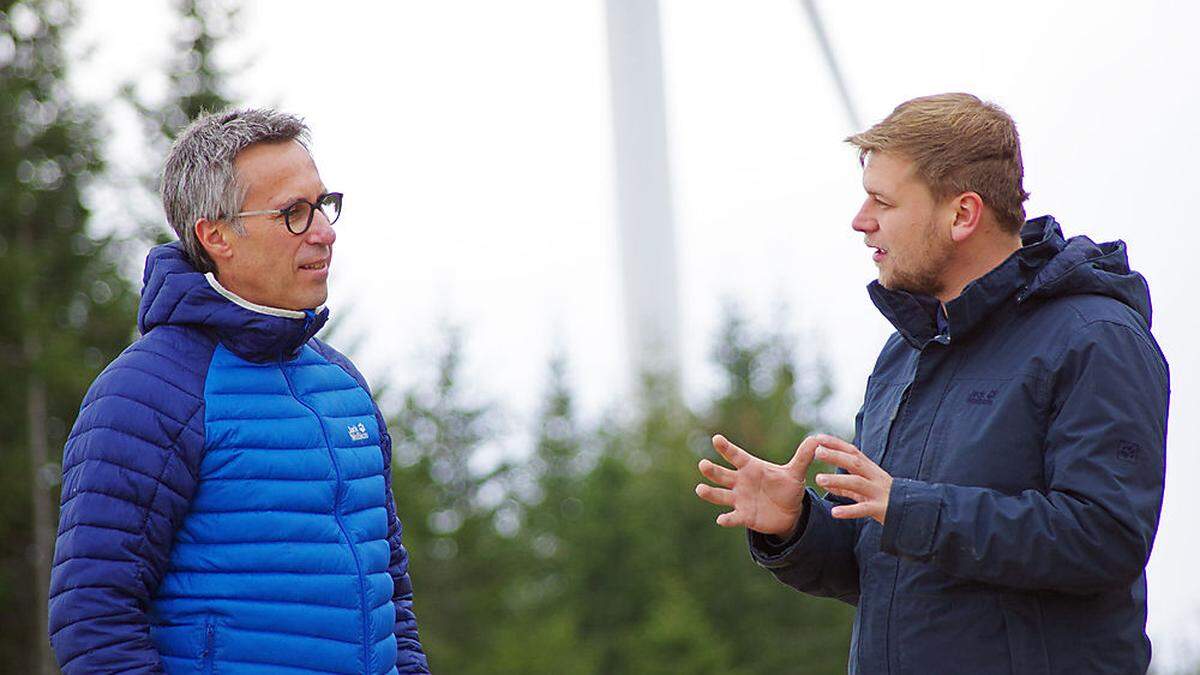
pixel 226 500
pixel 1026 438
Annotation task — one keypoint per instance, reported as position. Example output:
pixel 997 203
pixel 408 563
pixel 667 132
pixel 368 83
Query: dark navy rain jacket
pixel 1027 445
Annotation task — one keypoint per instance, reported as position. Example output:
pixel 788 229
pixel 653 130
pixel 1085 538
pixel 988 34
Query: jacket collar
pixel 174 293
pixel 915 315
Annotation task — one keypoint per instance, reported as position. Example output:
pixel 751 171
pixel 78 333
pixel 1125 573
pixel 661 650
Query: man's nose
pixel 862 221
pixel 321 233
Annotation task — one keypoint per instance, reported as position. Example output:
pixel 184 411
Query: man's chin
pixel 317 301
pixel 892 283
pixel 312 301
pixel 316 296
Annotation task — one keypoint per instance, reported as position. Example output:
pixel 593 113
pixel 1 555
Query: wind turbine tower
pixel 646 223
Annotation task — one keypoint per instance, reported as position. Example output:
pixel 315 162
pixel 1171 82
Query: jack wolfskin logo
pixel 980 397
pixel 357 432
pixel 1129 451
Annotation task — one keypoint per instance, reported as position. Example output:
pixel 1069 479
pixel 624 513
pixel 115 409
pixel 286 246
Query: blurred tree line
pixel 588 554
pixel 68 306
pixel 592 554
pixel 66 312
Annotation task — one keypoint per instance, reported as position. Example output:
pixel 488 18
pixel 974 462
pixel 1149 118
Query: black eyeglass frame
pixel 312 210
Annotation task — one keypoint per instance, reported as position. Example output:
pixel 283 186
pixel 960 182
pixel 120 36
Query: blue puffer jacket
pixel 226 500
pixel 1027 446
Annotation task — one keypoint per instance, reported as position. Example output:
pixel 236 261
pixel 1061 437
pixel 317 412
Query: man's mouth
pixel 316 266
pixel 879 254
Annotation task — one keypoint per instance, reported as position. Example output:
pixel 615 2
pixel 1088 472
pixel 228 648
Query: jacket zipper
pixel 887 447
pixel 942 340
pixel 206 656
pixel 337 516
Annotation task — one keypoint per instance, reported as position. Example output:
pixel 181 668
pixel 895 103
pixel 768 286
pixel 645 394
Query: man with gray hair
pixel 226 498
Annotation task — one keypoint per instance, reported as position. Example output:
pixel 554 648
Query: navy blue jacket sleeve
pixel 820 558
pixel 410 657
pixel 128 477
pixel 1093 526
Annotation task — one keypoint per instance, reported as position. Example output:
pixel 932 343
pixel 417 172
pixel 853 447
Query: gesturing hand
pixel 765 497
pixel 866 483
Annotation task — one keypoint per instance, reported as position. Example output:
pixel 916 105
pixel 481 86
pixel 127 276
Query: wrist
pixel 798 524
pixel 785 536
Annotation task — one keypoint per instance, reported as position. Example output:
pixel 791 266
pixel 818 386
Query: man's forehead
pixel 270 151
pixel 276 170
pixel 886 171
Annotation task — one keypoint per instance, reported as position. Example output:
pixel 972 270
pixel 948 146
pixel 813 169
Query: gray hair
pixel 199 180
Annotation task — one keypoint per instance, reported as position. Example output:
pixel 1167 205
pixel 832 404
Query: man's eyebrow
pixel 285 203
pixel 293 198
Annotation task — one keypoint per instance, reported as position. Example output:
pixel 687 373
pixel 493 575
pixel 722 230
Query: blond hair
pixel 958 144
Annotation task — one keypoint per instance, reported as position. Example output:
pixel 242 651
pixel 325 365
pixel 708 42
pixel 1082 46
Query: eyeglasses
pixel 299 216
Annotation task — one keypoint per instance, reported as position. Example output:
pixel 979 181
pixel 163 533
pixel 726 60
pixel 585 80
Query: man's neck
pixel 976 263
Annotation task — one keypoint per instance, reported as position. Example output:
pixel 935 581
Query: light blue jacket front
pixel 227 501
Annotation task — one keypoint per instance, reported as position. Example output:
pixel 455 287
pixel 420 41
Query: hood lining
pixel 244 303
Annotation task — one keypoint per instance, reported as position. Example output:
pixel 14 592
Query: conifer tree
pixel 67 310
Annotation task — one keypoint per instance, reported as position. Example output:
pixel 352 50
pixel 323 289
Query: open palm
pixel 765 497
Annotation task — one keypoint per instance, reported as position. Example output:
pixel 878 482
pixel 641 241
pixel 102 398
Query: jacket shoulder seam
pixel 141 564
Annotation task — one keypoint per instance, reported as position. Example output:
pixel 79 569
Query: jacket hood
pixel 1046 266
pixel 175 294
pixel 1079 266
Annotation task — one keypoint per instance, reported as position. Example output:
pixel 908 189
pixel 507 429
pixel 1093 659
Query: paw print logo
pixel 358 432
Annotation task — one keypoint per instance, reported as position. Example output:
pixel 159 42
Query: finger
pixel 717 474
pixel 804 456
pixel 849 494
pixel 732 453
pixel 712 495
pixel 860 510
pixel 842 460
pixel 837 444
pixel 731 519
pixel 856 463
pixel 840 483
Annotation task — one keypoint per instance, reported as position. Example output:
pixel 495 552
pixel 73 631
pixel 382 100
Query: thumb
pixel 798 465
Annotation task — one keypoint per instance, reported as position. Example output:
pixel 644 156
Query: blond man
pixel 996 508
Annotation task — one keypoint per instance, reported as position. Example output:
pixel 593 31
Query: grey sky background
pixel 474 143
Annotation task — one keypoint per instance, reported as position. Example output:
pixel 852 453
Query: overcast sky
pixel 473 142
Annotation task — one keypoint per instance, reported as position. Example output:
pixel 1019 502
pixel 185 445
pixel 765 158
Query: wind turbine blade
pixel 814 18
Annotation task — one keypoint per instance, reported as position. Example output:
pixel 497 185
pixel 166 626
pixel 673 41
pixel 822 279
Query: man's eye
pixel 881 202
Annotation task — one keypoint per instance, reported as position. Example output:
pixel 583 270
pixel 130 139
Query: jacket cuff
pixel 910 526
pixel 770 552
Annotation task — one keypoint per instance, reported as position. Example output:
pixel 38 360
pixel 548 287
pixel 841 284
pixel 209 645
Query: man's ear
pixel 968 216
pixel 213 235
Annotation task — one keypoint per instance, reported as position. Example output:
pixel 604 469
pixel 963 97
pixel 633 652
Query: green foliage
pixel 67 310
pixel 608 563
pixel 765 409
pixel 437 437
pixel 590 555
pixel 196 83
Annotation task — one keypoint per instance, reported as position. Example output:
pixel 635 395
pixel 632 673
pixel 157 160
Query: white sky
pixel 473 141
